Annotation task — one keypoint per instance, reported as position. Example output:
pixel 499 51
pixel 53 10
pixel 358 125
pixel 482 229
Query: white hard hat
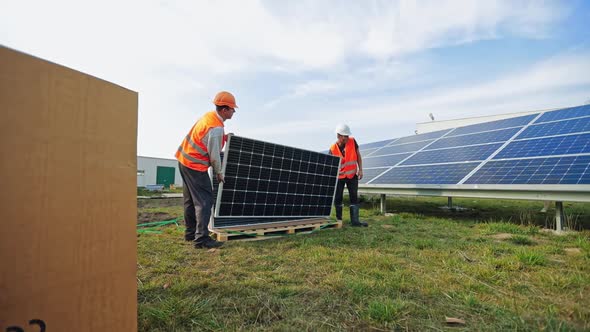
pixel 343 130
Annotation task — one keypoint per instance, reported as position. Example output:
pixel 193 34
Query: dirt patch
pixel 159 202
pixel 501 236
pixel 573 251
pixel 387 226
pixel 144 217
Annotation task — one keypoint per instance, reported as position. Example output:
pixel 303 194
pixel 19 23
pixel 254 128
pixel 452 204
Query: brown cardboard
pixel 67 198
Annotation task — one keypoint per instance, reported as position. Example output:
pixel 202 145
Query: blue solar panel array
pixel 471 139
pixel 439 174
pixel 551 147
pixel 579 125
pixel 409 147
pixel 566 113
pixel 557 145
pixel 467 153
pixel 557 170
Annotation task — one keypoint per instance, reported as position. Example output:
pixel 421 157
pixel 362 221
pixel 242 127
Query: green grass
pixel 405 272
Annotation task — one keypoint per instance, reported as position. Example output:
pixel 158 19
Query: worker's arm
pixel 214 139
pixel 359 161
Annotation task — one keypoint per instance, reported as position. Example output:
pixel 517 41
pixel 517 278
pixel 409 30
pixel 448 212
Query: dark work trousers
pixel 353 187
pixel 198 201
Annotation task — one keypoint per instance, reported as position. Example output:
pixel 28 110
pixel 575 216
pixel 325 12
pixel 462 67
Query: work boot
pixel 208 244
pixel 354 217
pixel 339 212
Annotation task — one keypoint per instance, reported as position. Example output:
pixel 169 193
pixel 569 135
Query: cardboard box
pixel 67 199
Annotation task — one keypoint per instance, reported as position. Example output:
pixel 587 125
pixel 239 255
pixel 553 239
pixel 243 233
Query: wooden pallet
pixel 273 230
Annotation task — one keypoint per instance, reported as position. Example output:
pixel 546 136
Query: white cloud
pixel 177 54
pixel 556 82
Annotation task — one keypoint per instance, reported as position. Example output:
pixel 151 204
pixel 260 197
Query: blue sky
pixel 298 69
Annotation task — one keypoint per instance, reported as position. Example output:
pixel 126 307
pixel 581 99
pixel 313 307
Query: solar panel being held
pixel 550 147
pixel 226 222
pixel 268 180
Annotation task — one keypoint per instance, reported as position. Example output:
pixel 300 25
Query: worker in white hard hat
pixel 351 171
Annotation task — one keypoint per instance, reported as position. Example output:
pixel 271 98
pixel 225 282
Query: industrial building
pixel 157 171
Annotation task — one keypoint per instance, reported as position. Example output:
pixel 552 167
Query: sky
pixel 299 68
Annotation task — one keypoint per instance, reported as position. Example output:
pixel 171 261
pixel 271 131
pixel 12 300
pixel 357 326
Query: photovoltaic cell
pixel 269 180
pixel 472 139
pixel 379 144
pixel 367 152
pixel 432 174
pixel 383 161
pixel 223 222
pixel 499 124
pixel 556 170
pixel 410 147
pixel 421 137
pixel 370 173
pixel 557 128
pixel 469 153
pixel 565 113
pixel 559 145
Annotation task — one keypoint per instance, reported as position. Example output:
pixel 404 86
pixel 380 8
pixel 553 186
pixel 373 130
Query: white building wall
pixel 426 127
pixel 149 166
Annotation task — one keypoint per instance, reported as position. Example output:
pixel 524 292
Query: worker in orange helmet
pixel 200 150
pixel 349 174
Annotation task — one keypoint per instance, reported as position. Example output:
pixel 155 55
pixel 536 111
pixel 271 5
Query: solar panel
pixel 557 170
pixel 558 145
pixel 371 173
pixel 565 113
pixel 268 180
pixel 556 128
pixel 409 147
pixel 421 137
pixel 493 125
pixel 382 161
pixel 367 152
pixel 501 135
pixel 224 222
pixel 469 153
pixel 432 174
pixel 373 145
pixel 546 148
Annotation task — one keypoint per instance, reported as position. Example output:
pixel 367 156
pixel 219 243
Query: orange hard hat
pixel 225 98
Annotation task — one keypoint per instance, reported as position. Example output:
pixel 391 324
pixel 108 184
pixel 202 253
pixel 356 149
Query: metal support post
pixel 383 203
pixel 559 216
pixel 450 202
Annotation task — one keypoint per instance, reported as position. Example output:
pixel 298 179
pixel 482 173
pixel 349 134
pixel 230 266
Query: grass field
pixel 407 271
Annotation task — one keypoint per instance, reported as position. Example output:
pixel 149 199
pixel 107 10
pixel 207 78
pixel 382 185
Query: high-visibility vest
pixel 348 163
pixel 192 153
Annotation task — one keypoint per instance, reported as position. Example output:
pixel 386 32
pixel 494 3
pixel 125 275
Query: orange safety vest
pixel 192 153
pixel 348 163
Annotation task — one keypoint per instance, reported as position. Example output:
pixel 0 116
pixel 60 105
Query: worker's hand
pixel 360 174
pixel 220 178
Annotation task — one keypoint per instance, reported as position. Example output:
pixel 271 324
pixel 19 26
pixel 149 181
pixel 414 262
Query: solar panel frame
pixel 229 155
